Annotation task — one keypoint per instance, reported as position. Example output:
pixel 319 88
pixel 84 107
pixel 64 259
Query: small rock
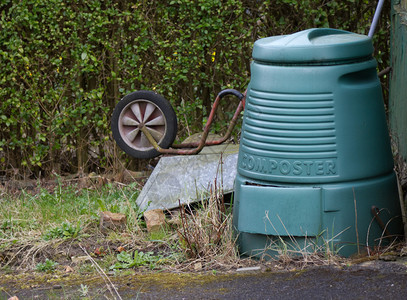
pixel 120 249
pixel 388 257
pixel 371 264
pixel 99 251
pixel 248 269
pixel 131 176
pixel 128 176
pixel 109 220
pixel 403 251
pixel 198 266
pixel 79 259
pixel 155 220
pixel 13 298
pixel 68 269
pixel 84 182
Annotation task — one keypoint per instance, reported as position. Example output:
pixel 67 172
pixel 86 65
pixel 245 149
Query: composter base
pixel 270 246
pixel 345 218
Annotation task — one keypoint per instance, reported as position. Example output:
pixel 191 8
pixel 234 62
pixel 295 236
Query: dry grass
pixel 207 234
pixel 310 251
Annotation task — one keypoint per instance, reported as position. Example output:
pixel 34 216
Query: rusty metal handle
pixel 199 145
pixel 231 92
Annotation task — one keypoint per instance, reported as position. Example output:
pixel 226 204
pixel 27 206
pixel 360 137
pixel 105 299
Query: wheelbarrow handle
pixel 177 148
pixel 231 92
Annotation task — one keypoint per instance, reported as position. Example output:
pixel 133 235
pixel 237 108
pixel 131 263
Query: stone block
pixel 155 220
pixel 109 220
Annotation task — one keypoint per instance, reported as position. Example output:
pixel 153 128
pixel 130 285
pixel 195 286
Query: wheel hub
pixel 139 114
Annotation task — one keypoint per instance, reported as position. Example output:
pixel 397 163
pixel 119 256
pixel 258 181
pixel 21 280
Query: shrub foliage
pixel 66 63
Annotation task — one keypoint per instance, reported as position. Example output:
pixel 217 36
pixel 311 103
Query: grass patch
pixel 47 266
pixel 61 224
pixel 65 231
pixel 127 260
pixel 37 222
pixel 55 211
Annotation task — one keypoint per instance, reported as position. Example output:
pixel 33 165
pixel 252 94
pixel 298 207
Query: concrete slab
pixel 188 178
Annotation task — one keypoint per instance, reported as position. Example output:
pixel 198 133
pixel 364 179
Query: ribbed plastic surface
pixel 314 124
pixel 287 126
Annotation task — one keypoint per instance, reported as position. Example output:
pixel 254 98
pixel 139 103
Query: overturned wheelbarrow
pixel 144 125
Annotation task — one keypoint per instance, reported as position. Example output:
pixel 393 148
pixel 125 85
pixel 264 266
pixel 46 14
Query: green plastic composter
pixel 315 167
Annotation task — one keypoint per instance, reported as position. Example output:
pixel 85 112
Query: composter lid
pixel 317 45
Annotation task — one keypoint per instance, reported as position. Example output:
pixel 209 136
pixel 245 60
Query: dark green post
pixel 398 79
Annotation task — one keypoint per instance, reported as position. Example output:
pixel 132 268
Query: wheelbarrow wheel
pixel 138 109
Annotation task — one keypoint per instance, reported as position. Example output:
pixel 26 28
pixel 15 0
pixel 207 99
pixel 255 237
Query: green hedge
pixel 65 64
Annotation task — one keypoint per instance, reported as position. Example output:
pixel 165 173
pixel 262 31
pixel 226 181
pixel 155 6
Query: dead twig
pixel 356 221
pixel 105 278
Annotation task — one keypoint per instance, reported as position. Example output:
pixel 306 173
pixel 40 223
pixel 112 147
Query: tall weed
pixel 206 233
